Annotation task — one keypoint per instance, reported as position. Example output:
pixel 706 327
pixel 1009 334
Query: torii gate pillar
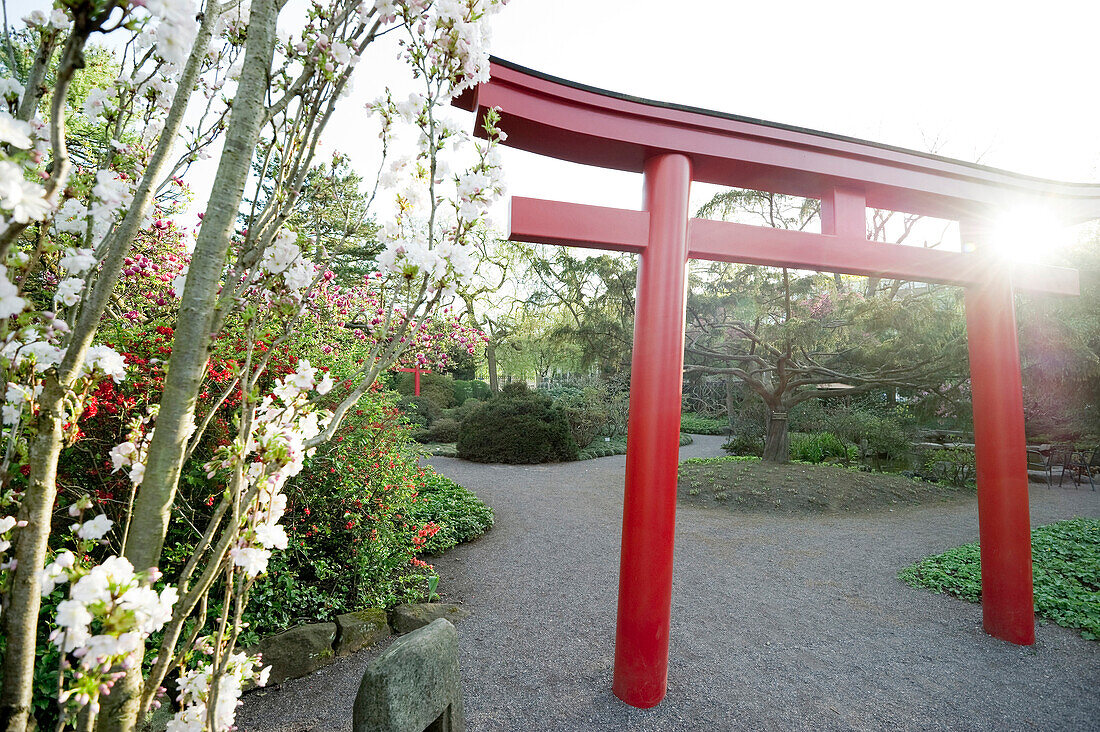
pixel 1000 447
pixel 653 438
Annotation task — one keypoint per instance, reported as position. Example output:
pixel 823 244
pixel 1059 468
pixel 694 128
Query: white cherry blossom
pixel 95 529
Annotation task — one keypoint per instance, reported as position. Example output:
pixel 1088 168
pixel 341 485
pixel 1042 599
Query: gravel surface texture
pixel 778 623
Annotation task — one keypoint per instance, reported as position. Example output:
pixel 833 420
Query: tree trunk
pixel 777 440
pixel 491 358
pixel 190 347
pixel 187 366
pixel 872 287
pixel 730 406
pixel 20 621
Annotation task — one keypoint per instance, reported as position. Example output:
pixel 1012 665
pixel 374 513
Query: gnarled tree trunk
pixel 777 438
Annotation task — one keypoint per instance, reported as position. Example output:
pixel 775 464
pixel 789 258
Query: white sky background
pixel 1005 83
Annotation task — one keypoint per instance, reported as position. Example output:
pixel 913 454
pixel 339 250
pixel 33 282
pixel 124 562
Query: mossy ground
pixel 748 484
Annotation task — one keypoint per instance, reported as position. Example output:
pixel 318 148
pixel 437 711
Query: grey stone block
pixel 297 652
pixel 356 631
pixel 414 685
pixel 407 618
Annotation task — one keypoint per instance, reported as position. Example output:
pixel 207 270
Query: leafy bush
pixel 444 429
pixel 745 444
pixel 587 413
pixel 463 410
pixel 1065 560
pixel 439 388
pixel 817 447
pixel 472 389
pixel 420 410
pixel 358 516
pixel 883 435
pixel 516 426
pixel 459 514
pixel 889 437
pixel 700 425
pixel 951 465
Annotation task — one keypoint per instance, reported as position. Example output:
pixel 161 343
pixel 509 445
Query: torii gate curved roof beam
pixel 570 121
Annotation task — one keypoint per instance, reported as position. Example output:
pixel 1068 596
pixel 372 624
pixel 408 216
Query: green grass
pixel 698 425
pixel 1066 565
pixel 616 446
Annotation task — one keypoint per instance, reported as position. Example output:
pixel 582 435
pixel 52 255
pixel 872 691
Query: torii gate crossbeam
pixel 672 146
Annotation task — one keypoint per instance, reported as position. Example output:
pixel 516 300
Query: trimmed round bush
pixel 420 410
pixel 444 429
pixel 440 388
pixel 470 389
pixel 517 426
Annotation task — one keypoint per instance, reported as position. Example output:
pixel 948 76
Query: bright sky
pixel 1006 83
pixel 1011 83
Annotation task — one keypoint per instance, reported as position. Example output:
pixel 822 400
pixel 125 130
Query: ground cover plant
pixel 459 514
pixel 745 483
pixel 697 424
pixel 1066 565
pixel 606 447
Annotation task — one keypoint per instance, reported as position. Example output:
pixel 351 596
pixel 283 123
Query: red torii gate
pixel 673 145
pixel 415 371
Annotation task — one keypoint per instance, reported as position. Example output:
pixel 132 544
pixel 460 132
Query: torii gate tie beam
pixel 674 145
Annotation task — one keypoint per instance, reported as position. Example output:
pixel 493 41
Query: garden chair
pixel 1040 461
pixel 1061 456
pixel 1081 464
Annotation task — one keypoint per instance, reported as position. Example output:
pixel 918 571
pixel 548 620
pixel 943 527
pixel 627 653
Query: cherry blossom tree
pixel 193 77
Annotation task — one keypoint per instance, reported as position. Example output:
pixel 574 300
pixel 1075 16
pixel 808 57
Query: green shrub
pixel 587 413
pixel 471 389
pixel 888 437
pixel 517 426
pixel 699 425
pixel 444 429
pixel 951 465
pixel 439 388
pixel 460 412
pixel 1065 559
pixel 817 447
pixel 419 410
pixel 462 392
pixel 514 388
pixel 745 444
pixel 460 515
pixel 350 542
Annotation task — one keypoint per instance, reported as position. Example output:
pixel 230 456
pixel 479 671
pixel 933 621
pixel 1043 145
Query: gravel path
pixel 780 623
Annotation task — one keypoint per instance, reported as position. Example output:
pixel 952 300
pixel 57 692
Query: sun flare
pixel 1029 234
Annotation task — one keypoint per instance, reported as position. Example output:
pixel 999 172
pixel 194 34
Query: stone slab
pixel 358 630
pixel 297 652
pixel 413 686
pixel 407 618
